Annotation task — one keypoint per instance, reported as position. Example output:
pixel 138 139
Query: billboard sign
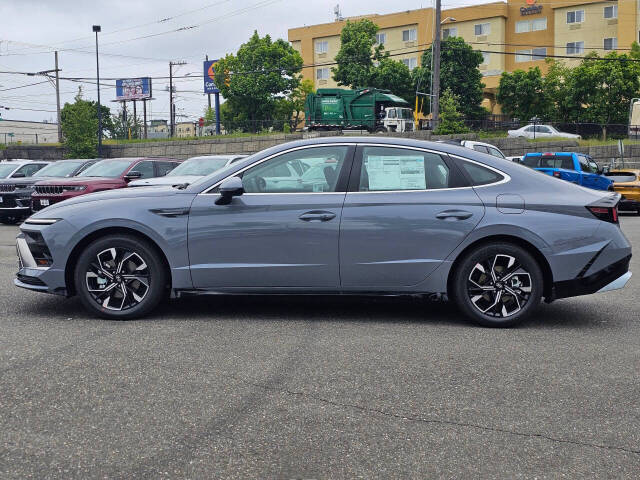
pixel 133 88
pixel 210 77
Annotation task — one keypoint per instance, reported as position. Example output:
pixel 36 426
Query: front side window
pixel 165 167
pixel 145 168
pixel 543 129
pixel 393 169
pixel 611 11
pixel 575 16
pixel 495 152
pixel 482 28
pixel 610 43
pixel 409 35
pixel 302 171
pixel 29 169
pixel 322 46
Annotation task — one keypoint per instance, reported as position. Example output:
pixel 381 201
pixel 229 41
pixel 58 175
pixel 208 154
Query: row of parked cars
pixel 27 186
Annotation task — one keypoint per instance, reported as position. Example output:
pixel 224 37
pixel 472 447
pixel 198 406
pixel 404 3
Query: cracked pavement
pixel 318 387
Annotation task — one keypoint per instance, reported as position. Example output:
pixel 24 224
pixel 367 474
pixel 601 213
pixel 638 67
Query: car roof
pixel 559 154
pixel 136 159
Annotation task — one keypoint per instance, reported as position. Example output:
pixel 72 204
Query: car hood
pixel 82 181
pixel 175 180
pixel 118 193
pixel 22 181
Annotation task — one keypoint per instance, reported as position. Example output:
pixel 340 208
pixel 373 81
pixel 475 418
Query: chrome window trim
pixel 506 178
pixel 284 152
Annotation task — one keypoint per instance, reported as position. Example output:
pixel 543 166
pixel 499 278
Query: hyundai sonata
pixel 387 216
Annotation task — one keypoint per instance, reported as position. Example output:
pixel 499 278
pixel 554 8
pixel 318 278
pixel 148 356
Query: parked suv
pixel 20 168
pixel 15 203
pixel 104 175
pixel 573 167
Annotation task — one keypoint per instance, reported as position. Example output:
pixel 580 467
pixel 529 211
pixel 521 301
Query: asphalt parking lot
pixel 318 387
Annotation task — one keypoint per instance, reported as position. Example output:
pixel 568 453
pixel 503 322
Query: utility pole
pixel 435 53
pixel 172 120
pixel 58 100
pixel 96 29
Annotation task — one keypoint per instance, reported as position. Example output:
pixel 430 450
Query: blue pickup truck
pixel 570 166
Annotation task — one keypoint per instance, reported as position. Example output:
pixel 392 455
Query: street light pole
pixel 96 29
pixel 435 54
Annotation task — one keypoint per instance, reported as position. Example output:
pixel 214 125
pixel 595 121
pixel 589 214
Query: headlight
pixel 74 188
pixel 41 221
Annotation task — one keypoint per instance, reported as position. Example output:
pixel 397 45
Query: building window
pixel 322 46
pixel 322 73
pixel 449 32
pixel 575 16
pixel 611 11
pixel 523 56
pixel 409 35
pixel 381 38
pixel 539 54
pixel 410 62
pixel 575 48
pixel 486 58
pixel 524 26
pixel 610 43
pixel 482 28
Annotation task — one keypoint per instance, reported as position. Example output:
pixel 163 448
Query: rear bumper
pixel 612 277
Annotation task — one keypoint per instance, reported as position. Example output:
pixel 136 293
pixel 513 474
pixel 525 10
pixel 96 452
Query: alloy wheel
pixel 499 286
pixel 118 279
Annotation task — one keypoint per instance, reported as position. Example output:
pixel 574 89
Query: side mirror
pixel 133 175
pixel 18 175
pixel 231 187
pixel 604 170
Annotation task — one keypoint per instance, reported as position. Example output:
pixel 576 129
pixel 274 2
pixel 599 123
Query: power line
pixel 23 86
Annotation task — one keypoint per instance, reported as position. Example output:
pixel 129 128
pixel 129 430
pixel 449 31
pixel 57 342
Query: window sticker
pixel 396 172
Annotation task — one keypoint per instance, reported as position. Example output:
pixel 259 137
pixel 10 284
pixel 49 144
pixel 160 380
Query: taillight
pixel 556 174
pixel 607 214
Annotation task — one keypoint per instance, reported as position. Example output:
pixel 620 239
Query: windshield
pixel 59 169
pixel 5 170
pixel 107 168
pixel 406 114
pixel 198 166
pixel 621 176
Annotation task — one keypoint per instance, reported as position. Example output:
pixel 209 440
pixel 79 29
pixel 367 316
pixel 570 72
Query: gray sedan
pixel 387 216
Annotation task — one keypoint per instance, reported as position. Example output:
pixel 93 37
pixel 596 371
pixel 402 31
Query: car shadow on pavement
pixel 565 314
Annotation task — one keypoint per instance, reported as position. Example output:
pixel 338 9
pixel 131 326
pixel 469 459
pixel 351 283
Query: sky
pixel 30 30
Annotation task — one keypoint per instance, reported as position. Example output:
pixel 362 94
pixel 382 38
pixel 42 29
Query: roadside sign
pixel 210 77
pixel 133 89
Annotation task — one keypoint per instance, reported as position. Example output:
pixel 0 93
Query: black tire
pixel 497 285
pixel 381 130
pixel 124 270
pixel 9 220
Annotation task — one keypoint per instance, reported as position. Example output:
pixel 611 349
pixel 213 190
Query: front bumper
pixel 14 205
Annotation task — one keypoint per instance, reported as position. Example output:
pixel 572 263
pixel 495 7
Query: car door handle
pixel 317 216
pixel 457 214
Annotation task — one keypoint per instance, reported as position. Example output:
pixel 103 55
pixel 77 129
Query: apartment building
pixel 512 35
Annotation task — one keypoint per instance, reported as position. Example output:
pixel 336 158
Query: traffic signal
pixel 227 78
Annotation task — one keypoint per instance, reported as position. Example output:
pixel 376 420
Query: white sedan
pixel 540 131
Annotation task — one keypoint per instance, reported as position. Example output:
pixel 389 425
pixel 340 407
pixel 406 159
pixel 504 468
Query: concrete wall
pixel 247 145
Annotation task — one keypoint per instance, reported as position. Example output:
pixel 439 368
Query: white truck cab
pixel 397 119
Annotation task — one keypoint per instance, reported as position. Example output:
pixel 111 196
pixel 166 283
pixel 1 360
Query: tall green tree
pixel 451 121
pixel 601 90
pixel 458 72
pixel 358 52
pixel 558 85
pixel 79 122
pixel 260 72
pixel 393 75
pixel 522 94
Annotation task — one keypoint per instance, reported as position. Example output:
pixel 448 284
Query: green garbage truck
pixel 369 109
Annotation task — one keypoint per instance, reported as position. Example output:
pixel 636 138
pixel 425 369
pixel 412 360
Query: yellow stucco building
pixel 516 34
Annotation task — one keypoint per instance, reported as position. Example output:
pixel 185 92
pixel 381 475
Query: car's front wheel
pixel 497 285
pixel 120 277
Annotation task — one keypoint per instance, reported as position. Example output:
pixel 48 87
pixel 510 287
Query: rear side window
pixel 495 152
pixel 145 168
pixel 394 169
pixel 479 175
pixel 549 161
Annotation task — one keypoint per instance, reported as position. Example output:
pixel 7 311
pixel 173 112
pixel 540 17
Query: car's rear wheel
pixel 120 277
pixel 497 285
